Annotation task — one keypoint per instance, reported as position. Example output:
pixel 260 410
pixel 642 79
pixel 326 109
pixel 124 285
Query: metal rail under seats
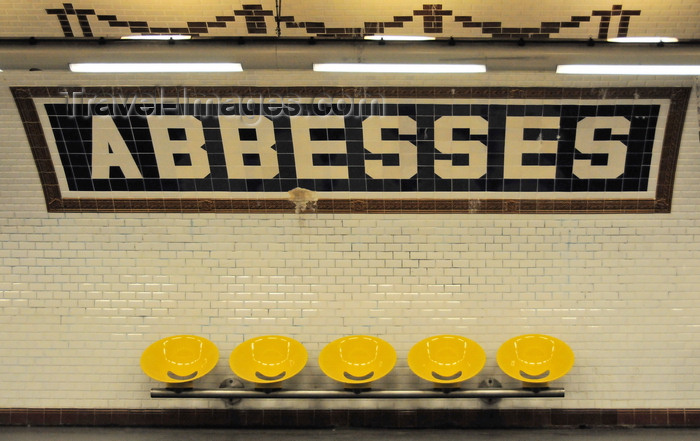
pixel 535 359
pixel 446 360
pixel 179 359
pixel 268 360
pixel 357 360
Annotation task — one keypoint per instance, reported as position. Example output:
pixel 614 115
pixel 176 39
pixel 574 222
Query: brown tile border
pixel 374 418
pixel 661 203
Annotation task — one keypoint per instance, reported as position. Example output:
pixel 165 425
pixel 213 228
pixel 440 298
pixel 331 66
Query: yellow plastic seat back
pixel 268 359
pixel 179 358
pixel 446 359
pixel 535 358
pixel 357 359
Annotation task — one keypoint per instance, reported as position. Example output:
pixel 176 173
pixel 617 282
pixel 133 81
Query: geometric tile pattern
pixel 496 30
pixel 433 17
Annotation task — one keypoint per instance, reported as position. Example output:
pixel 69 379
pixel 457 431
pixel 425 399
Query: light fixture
pixel 154 67
pixel 157 37
pixel 399 37
pixel 399 68
pixel 643 40
pixel 628 69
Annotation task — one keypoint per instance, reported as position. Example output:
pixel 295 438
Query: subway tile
pixel 619 288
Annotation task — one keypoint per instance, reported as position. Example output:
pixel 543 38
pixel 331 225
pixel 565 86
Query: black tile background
pixel 73 136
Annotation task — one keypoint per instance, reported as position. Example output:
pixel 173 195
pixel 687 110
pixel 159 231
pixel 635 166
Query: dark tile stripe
pixel 375 418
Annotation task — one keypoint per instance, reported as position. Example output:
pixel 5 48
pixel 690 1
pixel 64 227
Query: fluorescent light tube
pixel 399 37
pixel 399 68
pixel 154 67
pixel 156 37
pixel 643 40
pixel 628 69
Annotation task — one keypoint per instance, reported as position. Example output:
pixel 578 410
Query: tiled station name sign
pixel 355 150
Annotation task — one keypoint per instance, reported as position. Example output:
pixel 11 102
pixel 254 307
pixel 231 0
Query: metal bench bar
pixel 351 394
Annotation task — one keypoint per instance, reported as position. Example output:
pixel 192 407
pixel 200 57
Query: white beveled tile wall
pixel 83 294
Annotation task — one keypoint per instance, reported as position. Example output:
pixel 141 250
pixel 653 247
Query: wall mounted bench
pixel 356 361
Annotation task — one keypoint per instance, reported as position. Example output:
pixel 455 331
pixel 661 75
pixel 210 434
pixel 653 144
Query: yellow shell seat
pixel 268 359
pixel 357 359
pixel 179 358
pixel 446 359
pixel 535 358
